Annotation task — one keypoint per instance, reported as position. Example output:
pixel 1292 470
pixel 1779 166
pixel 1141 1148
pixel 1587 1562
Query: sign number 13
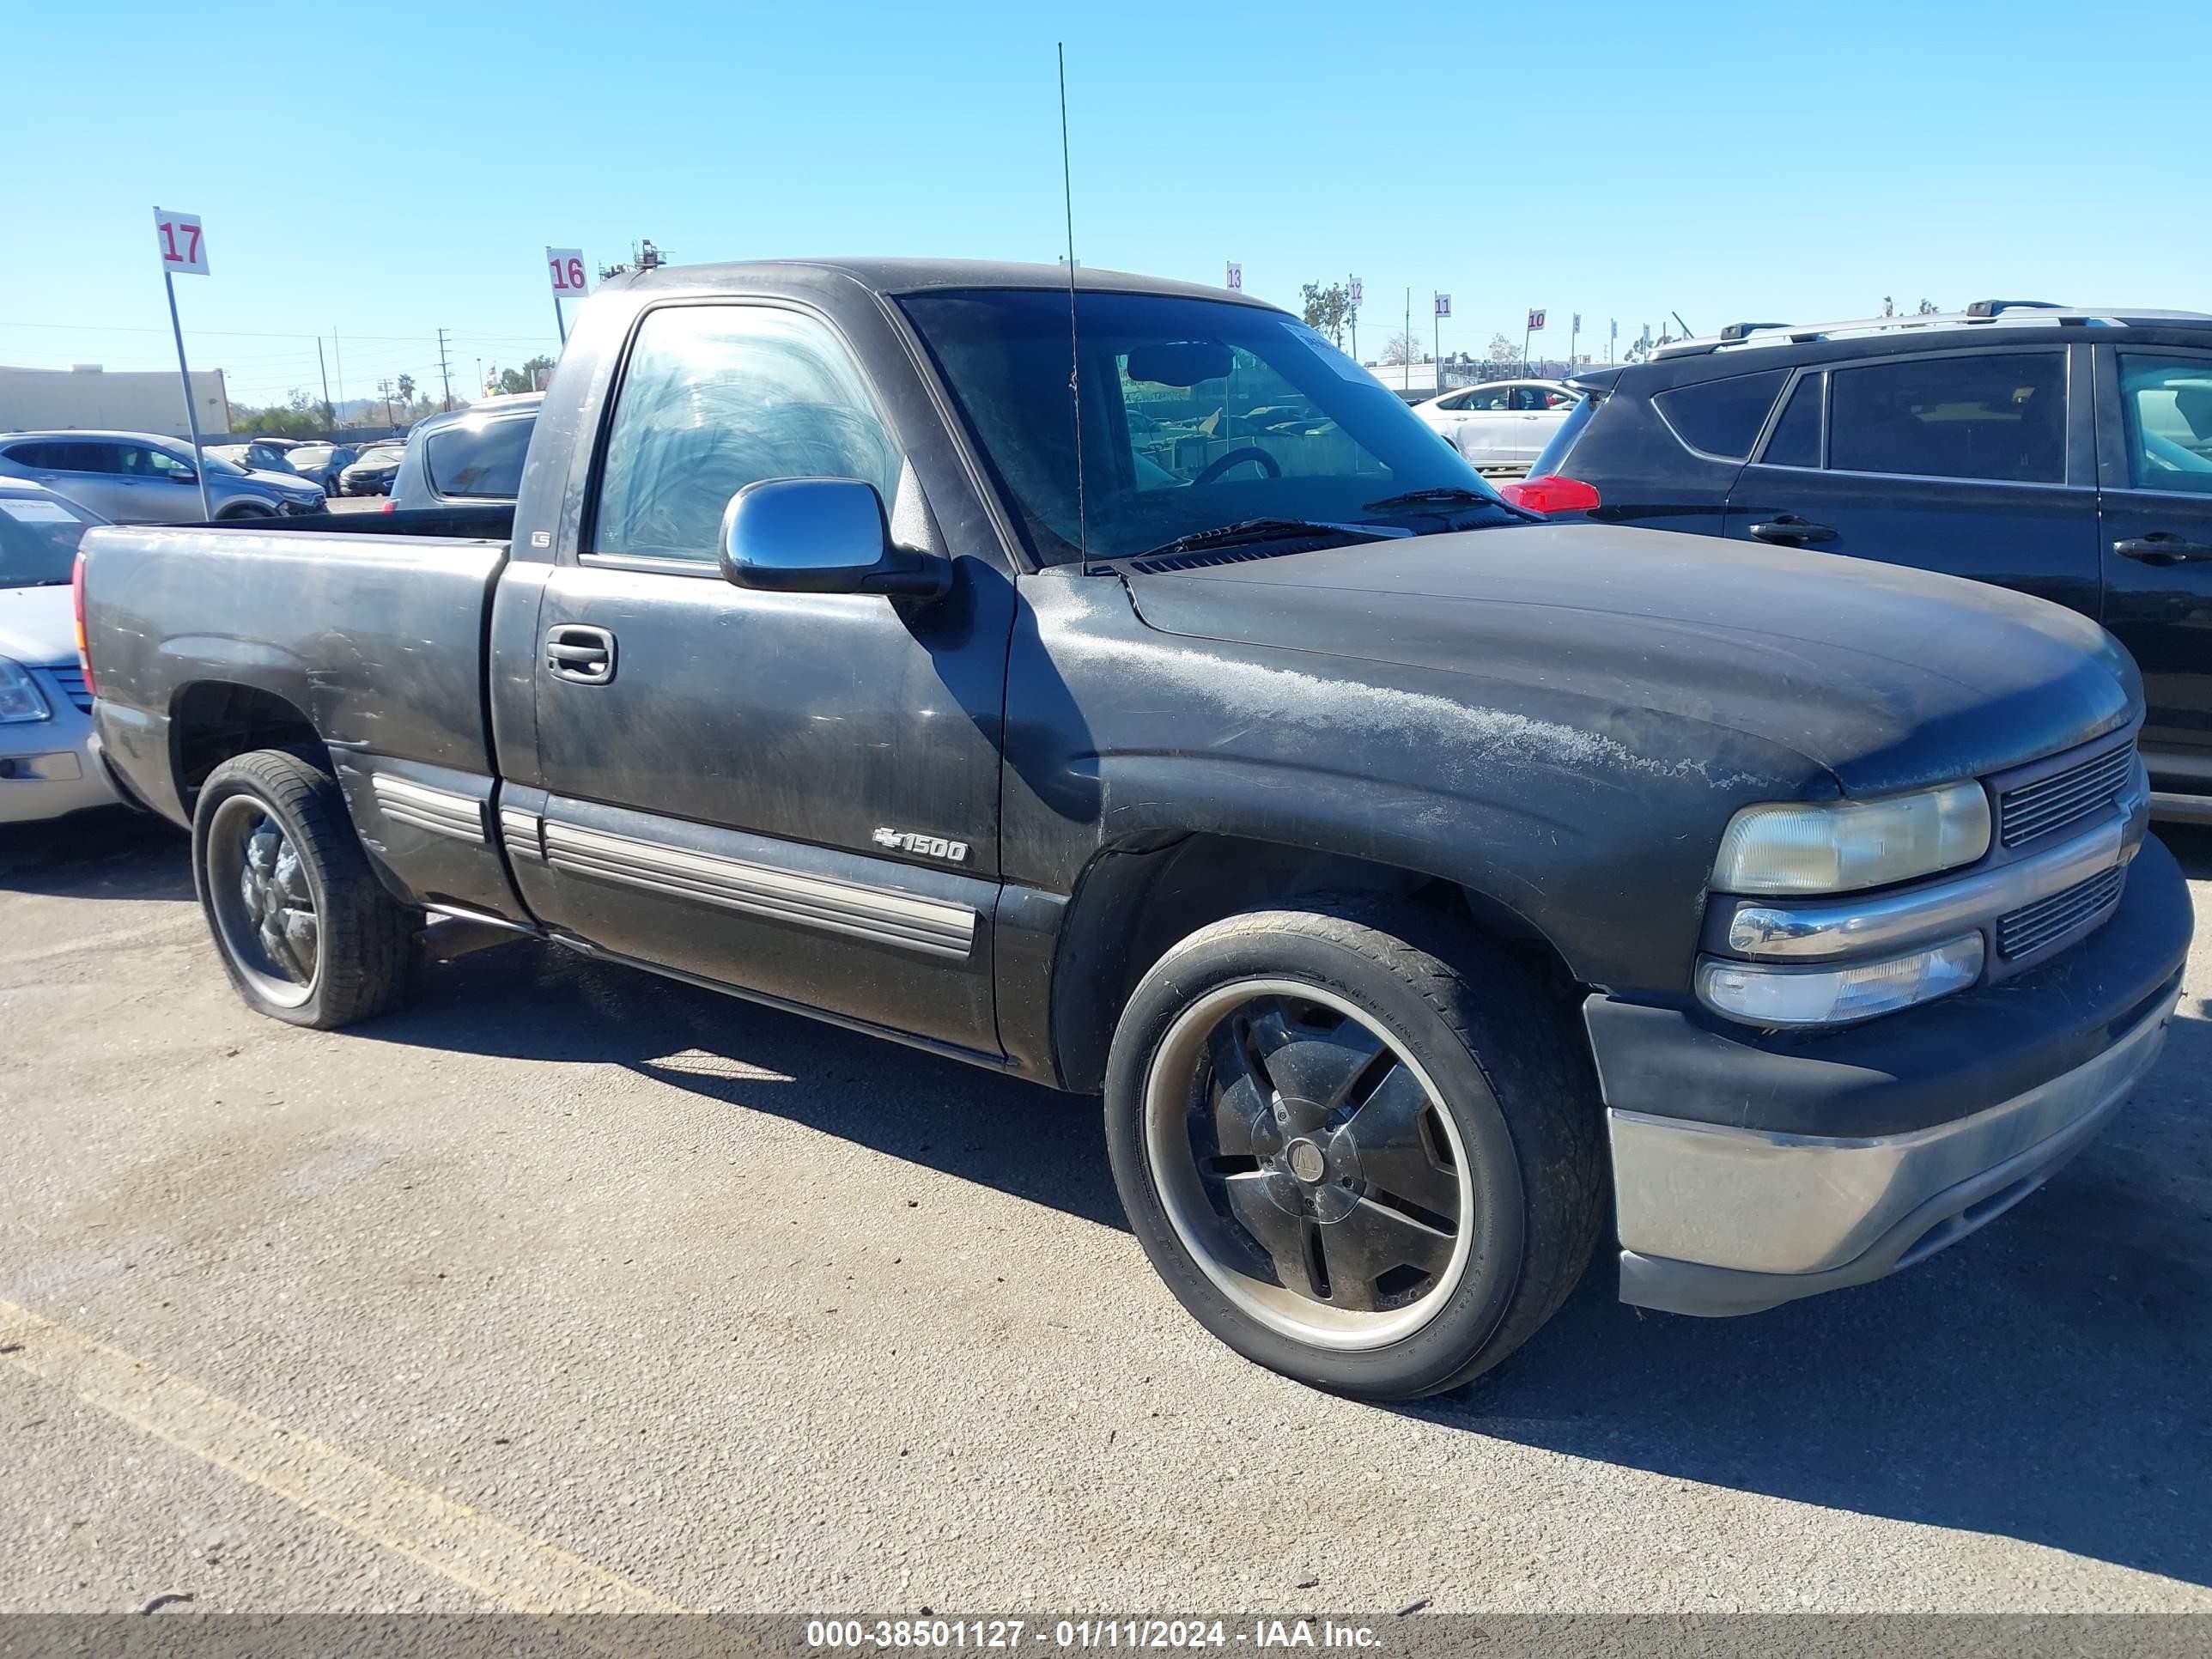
pixel 182 245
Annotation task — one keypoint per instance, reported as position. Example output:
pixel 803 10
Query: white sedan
pixel 1500 423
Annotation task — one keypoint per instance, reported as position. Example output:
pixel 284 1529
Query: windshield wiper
pixel 1451 493
pixel 1264 530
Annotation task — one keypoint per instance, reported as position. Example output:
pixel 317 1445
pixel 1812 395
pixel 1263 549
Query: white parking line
pixel 483 1554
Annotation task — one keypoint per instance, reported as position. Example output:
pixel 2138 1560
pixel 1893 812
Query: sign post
pixel 1236 277
pixel 1536 325
pixel 566 266
pixel 1437 336
pixel 1358 292
pixel 183 248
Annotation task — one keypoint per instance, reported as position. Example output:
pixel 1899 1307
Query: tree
pixel 1328 310
pixel 407 390
pixel 1503 350
pixel 1403 348
pixel 1927 309
pixel 536 367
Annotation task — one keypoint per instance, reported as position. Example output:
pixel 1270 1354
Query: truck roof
pixel 907 275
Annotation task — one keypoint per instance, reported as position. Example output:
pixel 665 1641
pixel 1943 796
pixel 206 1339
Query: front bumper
pixel 1805 1164
pixel 48 767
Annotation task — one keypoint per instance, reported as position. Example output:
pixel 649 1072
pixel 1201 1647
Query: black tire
pixel 1506 1061
pixel 363 938
pixel 246 510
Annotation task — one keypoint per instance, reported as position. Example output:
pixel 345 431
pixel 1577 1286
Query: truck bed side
pixel 208 641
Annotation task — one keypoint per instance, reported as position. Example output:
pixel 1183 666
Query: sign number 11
pixel 182 245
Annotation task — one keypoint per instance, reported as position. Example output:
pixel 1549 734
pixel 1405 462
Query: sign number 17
pixel 182 246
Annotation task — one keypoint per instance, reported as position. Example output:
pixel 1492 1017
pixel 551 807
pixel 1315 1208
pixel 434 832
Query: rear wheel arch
pixel 211 721
pixel 1136 901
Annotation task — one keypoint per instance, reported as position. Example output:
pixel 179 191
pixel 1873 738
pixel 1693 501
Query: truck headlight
pixel 19 698
pixel 1843 845
pixel 1764 995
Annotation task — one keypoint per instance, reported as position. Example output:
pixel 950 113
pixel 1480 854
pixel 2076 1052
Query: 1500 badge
pixel 922 847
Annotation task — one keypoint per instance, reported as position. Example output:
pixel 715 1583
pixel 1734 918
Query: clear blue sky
pixel 388 169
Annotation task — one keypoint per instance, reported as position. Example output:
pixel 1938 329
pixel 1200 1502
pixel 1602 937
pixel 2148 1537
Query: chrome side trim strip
pixel 438 812
pixel 1770 1203
pixel 1801 933
pixel 521 832
pixel 930 927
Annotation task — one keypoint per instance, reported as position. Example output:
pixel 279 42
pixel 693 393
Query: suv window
pixel 1999 415
pixel 2168 405
pixel 478 459
pixel 1721 417
pixel 64 457
pixel 718 396
pixel 1796 441
pixel 139 462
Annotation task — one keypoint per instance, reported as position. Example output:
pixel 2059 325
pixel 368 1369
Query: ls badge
pixel 921 847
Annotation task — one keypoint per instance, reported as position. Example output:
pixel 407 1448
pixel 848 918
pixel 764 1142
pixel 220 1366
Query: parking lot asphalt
pixel 573 1288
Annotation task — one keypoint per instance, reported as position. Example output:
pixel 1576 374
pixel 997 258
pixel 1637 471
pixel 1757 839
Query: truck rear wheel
pixel 1370 1163
pixel 306 930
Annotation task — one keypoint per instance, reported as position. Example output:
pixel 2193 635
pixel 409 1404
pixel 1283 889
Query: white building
pixel 88 397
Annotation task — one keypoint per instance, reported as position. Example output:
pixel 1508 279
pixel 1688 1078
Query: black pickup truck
pixel 1117 687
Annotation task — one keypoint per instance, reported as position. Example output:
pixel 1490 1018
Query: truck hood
pixel 37 626
pixel 1884 677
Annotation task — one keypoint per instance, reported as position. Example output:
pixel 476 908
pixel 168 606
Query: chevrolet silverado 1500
pixel 1115 686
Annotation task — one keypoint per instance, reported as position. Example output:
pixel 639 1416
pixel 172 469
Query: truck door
pixel 1975 463
pixel 2154 465
pixel 793 794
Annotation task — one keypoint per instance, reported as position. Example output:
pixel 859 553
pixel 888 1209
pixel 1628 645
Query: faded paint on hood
pixel 1885 677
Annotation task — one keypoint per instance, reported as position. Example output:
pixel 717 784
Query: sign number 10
pixel 567 265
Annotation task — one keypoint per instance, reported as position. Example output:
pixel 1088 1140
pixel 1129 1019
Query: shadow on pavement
pixel 541 1003
pixel 111 853
pixel 2042 1380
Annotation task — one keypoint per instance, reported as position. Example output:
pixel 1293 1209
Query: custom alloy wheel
pixel 1358 1140
pixel 262 903
pixel 306 931
pixel 1304 1161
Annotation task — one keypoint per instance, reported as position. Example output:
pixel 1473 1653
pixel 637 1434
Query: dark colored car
pixel 2066 453
pixel 323 463
pixel 371 473
pixel 1422 884
pixel 473 455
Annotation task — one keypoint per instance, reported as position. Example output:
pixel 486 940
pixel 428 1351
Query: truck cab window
pixel 718 397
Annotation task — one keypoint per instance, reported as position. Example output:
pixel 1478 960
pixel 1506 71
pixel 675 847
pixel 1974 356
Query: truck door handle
pixel 1787 529
pixel 2162 547
pixel 585 655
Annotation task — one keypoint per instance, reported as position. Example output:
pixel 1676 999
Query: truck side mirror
pixel 822 536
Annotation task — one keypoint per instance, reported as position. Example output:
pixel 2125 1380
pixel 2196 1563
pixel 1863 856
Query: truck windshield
pixel 1196 414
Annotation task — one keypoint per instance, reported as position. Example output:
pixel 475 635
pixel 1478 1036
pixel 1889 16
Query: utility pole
pixel 340 356
pixel 1406 378
pixel 445 369
pixel 330 409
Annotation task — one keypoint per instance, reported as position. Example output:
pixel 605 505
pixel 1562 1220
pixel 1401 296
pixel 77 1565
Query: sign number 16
pixel 182 246
pixel 567 265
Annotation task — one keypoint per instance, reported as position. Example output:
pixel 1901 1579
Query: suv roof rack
pixel 1996 308
pixel 1983 313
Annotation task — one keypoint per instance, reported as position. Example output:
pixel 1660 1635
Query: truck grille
pixel 2032 927
pixel 2053 803
pixel 71 681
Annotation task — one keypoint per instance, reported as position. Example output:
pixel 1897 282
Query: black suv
pixel 2066 453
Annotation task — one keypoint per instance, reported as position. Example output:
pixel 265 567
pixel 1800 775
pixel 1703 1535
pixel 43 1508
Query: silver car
pixel 48 766
pixel 140 477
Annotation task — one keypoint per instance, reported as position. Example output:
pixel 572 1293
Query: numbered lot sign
pixel 566 266
pixel 182 246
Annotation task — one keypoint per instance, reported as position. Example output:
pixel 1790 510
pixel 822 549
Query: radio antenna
pixel 1074 355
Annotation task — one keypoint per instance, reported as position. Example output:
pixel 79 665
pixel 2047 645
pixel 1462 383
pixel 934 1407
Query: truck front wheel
pixel 1362 1148
pixel 306 930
